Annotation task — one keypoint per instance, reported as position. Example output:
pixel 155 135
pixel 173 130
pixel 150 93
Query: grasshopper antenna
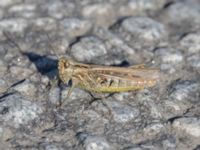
pixel 51 46
pixel 11 41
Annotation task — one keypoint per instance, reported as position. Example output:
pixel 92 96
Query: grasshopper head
pixel 65 69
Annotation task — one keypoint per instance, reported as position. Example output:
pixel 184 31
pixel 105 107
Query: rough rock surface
pixel 162 34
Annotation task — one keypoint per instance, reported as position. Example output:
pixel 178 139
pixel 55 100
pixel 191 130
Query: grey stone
pixel 54 95
pixel 170 143
pixel 118 50
pixel 171 56
pixel 149 132
pixel 22 7
pixel 13 25
pixel 122 135
pixel 5 133
pixel 16 110
pixel 61 45
pixel 194 61
pixel 122 113
pixel 96 143
pixel 1 13
pixel 170 59
pixel 89 49
pixel 143 32
pixel 26 88
pixel 169 68
pixel 190 125
pixel 155 146
pixel 41 23
pixel 177 16
pixel 191 43
pixel 101 14
pixel 5 3
pixel 75 27
pixel 140 7
pixel 144 5
pixel 52 146
pixel 20 72
pixel 20 61
pixel 149 103
pixel 3 85
pixel 3 68
pixel 181 97
pixel 185 91
pixel 107 49
pixel 59 9
pixel 23 10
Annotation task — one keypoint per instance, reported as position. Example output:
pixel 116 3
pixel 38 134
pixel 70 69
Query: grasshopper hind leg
pixel 102 100
pixel 139 66
pixel 97 97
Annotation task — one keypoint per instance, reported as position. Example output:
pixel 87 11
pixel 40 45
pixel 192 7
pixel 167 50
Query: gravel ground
pixel 163 34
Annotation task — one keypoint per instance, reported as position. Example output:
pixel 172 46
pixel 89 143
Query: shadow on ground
pixel 44 64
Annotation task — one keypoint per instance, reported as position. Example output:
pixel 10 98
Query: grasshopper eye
pixel 66 64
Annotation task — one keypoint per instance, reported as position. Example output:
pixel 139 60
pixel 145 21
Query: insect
pixel 106 79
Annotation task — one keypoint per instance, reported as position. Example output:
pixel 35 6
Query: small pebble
pixel 13 25
pixel 190 125
pixel 194 61
pixel 19 110
pixel 26 88
pixel 101 14
pixel 20 72
pixel 90 49
pixel 191 43
pixel 75 27
pixel 122 113
pixel 145 32
pixel 96 143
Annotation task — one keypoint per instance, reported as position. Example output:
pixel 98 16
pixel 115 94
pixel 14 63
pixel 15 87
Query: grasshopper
pixel 105 79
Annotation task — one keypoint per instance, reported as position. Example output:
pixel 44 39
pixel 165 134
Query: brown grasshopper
pixel 106 79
